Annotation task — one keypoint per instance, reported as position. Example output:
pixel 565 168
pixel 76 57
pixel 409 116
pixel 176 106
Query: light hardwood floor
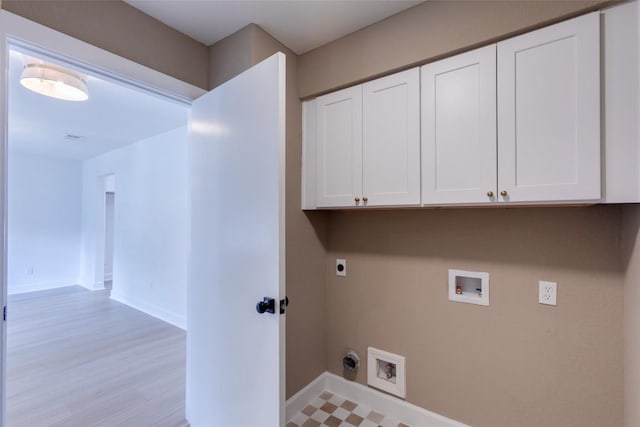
pixel 76 358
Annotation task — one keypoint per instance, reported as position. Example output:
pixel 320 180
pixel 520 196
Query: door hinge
pixel 283 304
pixel 4 313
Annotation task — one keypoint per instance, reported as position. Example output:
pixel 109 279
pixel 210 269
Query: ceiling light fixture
pixel 55 82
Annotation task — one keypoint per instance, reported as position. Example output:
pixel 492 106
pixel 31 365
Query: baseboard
pixel 93 287
pixel 403 411
pixel 22 289
pixel 151 309
pixel 298 401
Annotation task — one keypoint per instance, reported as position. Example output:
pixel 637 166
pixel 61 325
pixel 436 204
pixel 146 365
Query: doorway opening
pixel 109 217
pixel 69 240
pixel 255 173
pixel 105 222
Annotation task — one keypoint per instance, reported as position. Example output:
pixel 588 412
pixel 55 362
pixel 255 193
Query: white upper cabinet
pixel 516 122
pixel 362 145
pixel 339 148
pixel 549 113
pixel 391 140
pixel 459 129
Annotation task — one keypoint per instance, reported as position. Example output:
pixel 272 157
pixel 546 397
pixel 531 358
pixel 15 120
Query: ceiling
pixel 114 116
pixel 301 25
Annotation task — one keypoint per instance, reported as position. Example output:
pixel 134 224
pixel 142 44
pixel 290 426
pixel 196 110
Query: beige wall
pixel 230 56
pixel 514 363
pixel 631 265
pixel 431 30
pixel 488 366
pixel 119 28
pixel 306 233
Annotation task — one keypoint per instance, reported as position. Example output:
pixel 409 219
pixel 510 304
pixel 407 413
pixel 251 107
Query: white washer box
pixel 386 371
pixel 471 287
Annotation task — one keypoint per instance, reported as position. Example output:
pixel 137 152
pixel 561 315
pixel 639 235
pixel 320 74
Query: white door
pixel 549 113
pixel 459 163
pixel 235 356
pixel 339 148
pixel 391 140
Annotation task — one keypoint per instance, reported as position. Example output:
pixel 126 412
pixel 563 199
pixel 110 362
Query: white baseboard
pixel 403 411
pixel 24 288
pixel 151 309
pixel 93 287
pixel 298 401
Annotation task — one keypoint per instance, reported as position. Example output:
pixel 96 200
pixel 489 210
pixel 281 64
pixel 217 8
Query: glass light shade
pixel 55 82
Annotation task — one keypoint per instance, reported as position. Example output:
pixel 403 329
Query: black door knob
pixel 267 305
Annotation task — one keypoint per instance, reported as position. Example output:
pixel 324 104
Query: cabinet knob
pixel 489 193
pixel 357 199
pixel 503 193
pixel 365 199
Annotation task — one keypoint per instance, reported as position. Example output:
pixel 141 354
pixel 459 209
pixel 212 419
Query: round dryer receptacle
pixel 351 361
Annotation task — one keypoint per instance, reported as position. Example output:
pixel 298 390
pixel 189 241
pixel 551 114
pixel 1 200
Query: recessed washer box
pixel 471 287
pixel 386 371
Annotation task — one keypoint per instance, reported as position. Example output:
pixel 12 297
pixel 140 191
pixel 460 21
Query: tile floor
pixel 333 411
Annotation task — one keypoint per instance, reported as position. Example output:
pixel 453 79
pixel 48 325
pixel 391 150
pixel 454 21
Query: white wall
pixel 151 223
pixel 43 222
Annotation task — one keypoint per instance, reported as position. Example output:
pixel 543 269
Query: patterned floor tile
pixel 309 410
pixel 341 413
pixel 349 405
pixel 320 416
pixel 376 417
pixel 354 419
pixel 330 410
pixel 329 407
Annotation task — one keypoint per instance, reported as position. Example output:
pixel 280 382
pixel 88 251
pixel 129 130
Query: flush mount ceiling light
pixel 55 82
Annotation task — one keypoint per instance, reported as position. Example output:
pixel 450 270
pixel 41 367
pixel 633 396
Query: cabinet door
pixel 391 140
pixel 549 113
pixel 459 129
pixel 339 148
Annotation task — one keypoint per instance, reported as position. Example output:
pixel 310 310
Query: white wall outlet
pixel 341 267
pixel 548 293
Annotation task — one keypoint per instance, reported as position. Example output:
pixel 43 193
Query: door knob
pixel 357 199
pixel 267 305
pixel 503 193
pixel 489 193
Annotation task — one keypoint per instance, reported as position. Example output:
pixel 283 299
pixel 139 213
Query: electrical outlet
pixel 341 267
pixel 548 293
